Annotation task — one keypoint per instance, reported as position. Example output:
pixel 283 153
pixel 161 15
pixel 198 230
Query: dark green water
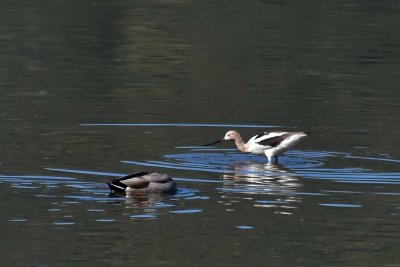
pixel 93 90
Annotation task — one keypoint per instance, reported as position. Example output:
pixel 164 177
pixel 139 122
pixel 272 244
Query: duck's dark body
pixel 143 182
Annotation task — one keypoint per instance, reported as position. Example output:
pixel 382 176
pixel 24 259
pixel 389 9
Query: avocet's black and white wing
pixel 272 144
pixel 272 139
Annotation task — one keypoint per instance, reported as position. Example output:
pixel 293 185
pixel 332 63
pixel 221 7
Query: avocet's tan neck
pixel 241 145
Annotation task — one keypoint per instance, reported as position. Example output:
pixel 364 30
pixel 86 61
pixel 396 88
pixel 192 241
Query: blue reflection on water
pixel 63 223
pixel 240 177
pixel 185 211
pixel 18 220
pixel 143 216
pixel 341 205
pixel 69 191
pixel 244 227
pixel 305 164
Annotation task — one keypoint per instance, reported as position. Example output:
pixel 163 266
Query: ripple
pixel 293 164
pixel 143 216
pixel 164 205
pixel 185 211
pixel 221 162
pixel 198 197
pixel 387 193
pixel 184 193
pixel 54 210
pixel 271 202
pixel 373 158
pixel 250 174
pixel 196 180
pixel 24 186
pixel 76 193
pixel 177 125
pixel 46 196
pixel 105 220
pixel 63 223
pixel 244 227
pixel 18 220
pixel 353 176
pixel 34 177
pixel 86 172
pixel 234 177
pixel 341 205
pixel 341 192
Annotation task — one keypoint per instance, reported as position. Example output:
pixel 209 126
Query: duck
pixel 143 182
pixel 270 144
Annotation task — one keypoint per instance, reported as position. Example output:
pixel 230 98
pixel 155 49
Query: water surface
pixel 95 90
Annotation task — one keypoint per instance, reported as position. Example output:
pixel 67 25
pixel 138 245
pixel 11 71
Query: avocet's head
pixel 231 135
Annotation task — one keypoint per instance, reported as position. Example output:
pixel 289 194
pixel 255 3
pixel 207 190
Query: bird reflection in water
pixel 141 199
pixel 267 185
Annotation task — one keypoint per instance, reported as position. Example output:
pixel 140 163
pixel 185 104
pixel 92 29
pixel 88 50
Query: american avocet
pixel 143 182
pixel 271 144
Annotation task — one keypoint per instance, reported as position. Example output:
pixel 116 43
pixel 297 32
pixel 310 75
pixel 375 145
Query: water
pixel 96 90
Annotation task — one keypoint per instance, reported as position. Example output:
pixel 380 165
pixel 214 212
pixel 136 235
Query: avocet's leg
pixel 269 156
pixel 276 159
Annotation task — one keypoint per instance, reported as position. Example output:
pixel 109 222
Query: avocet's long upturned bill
pixel 143 182
pixel 271 144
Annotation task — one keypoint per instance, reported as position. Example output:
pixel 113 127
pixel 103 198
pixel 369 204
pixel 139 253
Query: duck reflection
pixel 141 199
pixel 268 185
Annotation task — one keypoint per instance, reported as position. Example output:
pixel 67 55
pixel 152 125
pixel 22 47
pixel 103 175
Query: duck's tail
pixel 117 187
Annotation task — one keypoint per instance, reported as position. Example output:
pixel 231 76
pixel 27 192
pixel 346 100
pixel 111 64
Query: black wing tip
pixel 129 176
pixel 117 186
pixel 307 132
pixel 115 189
pixel 260 135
